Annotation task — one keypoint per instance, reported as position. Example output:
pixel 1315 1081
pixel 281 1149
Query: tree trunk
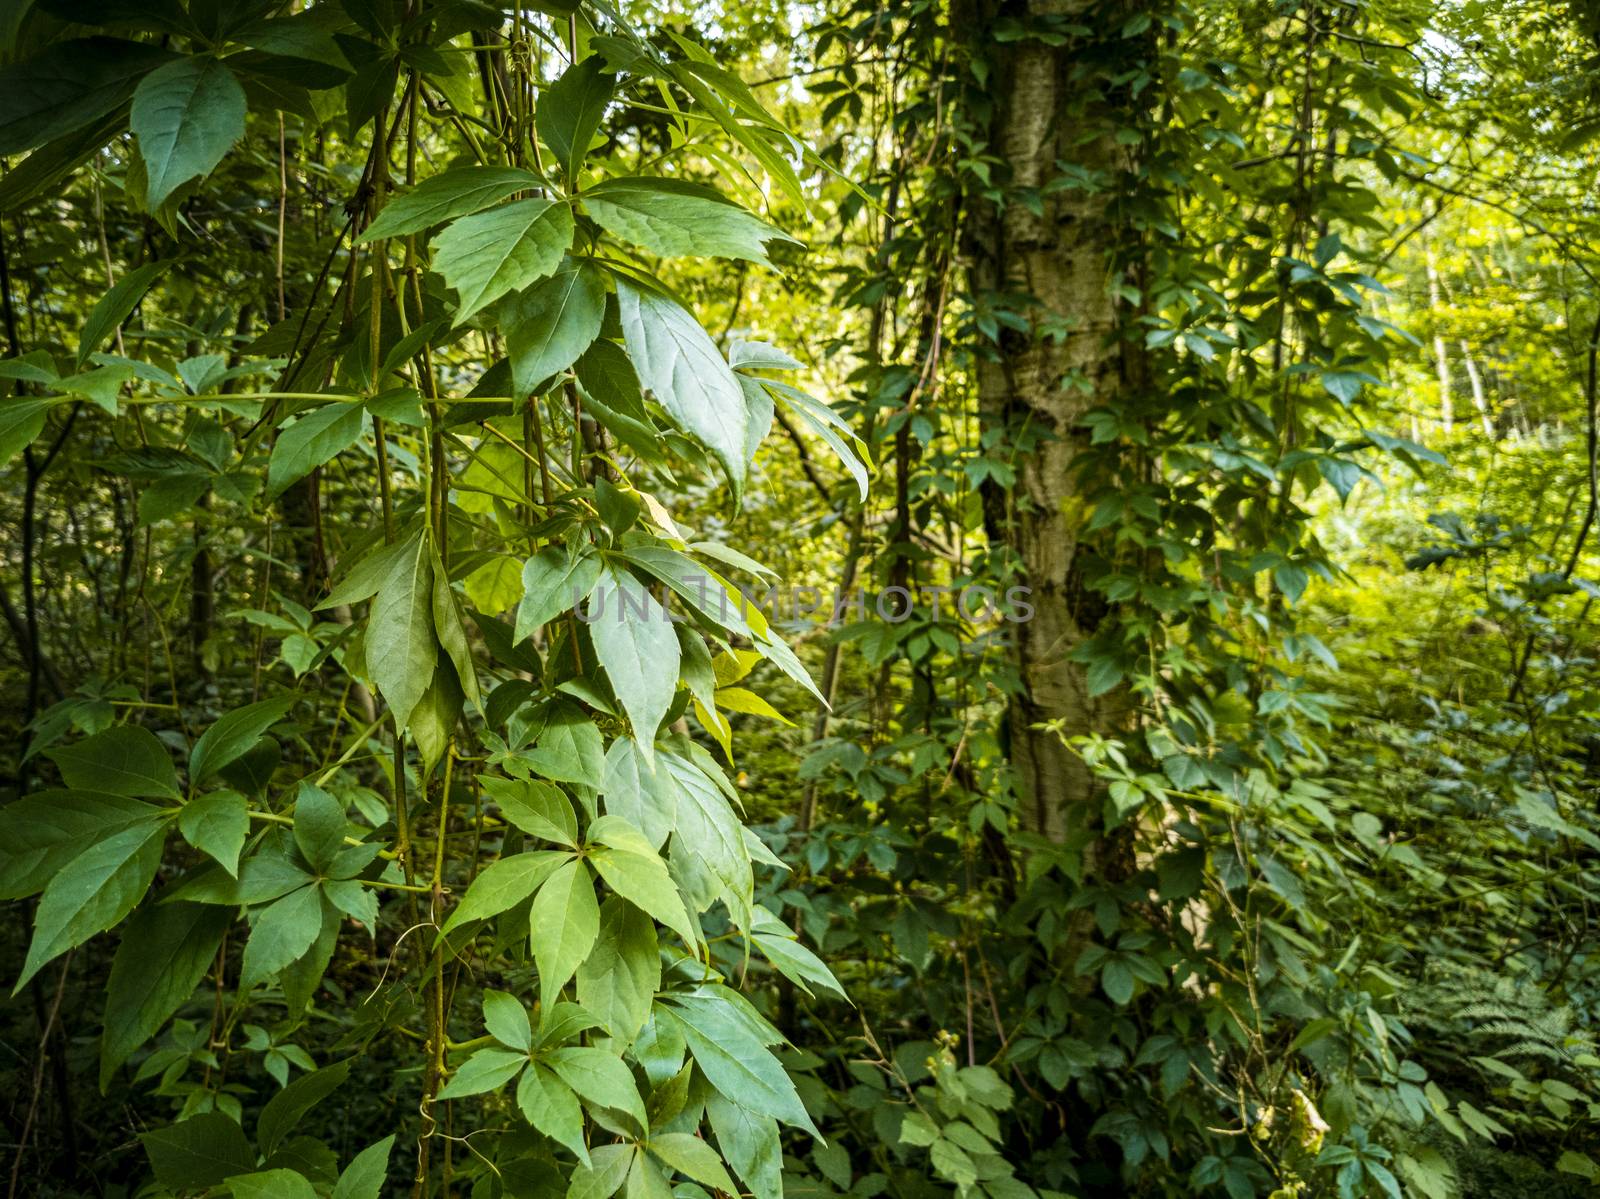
pixel 1056 247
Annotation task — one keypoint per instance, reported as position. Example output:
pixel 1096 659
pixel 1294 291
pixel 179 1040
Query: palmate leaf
pixel 503 250
pixel 735 1060
pixel 186 115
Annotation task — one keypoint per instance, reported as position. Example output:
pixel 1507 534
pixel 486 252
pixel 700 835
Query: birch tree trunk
pixel 1057 247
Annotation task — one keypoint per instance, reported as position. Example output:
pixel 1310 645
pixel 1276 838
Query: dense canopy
pixel 986 599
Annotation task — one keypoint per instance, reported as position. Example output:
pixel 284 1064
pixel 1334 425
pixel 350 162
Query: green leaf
pixel 485 256
pixel 608 1169
pixel 164 954
pixel 485 1070
pixel 217 824
pixel 69 85
pixel 538 809
pixel 444 197
pixel 235 735
pixel 619 978
pixel 709 856
pixel 452 633
pixel 299 37
pixel 271 1184
pixel 114 307
pixel 749 1143
pixel 681 365
pixel 507 1020
pixel 693 1158
pixel 549 326
pixel 553 582
pixel 643 794
pixel 314 439
pixel 551 1106
pixel 641 878
pixel 284 1110
pixel 21 421
pixel 401 650
pixel 564 923
pixel 735 1061
pixel 319 827
pixel 93 892
pixel 284 932
pixel 123 760
pixel 365 1176
pixel 599 1077
pixel 504 884
pixel 186 115
pixel 199 1152
pixel 1117 980
pixel 569 748
pixel 646 1181
pixel 570 110
pixel 637 644
pixel 675 218
pixel 42 832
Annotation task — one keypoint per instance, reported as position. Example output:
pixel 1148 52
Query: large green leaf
pixel 735 1061
pixel 21 421
pixel 570 109
pixel 554 581
pixel 165 952
pixel 644 794
pixel 569 748
pixel 504 884
pixel 632 869
pixel 485 256
pixel 485 1070
pixel 365 1176
pixel 234 735
pixel 313 439
pixel 278 1183
pixel 693 1158
pixel 599 1077
pixel 550 1105
pixel 94 891
pixel 113 307
pixel 401 649
pixel 42 832
pixel 563 925
pixel 217 824
pixel 619 978
pixel 709 857
pixel 283 1111
pixel 675 219
pixel 283 933
pixel 68 86
pixel 680 364
pixel 443 197
pixel 637 644
pixel 199 1152
pixel 186 115
pixel 551 324
pixel 124 760
pixel 750 1144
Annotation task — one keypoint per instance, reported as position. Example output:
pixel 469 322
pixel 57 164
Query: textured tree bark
pixel 1056 247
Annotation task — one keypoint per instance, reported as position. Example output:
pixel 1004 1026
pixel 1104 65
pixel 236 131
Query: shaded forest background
pixel 1256 339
